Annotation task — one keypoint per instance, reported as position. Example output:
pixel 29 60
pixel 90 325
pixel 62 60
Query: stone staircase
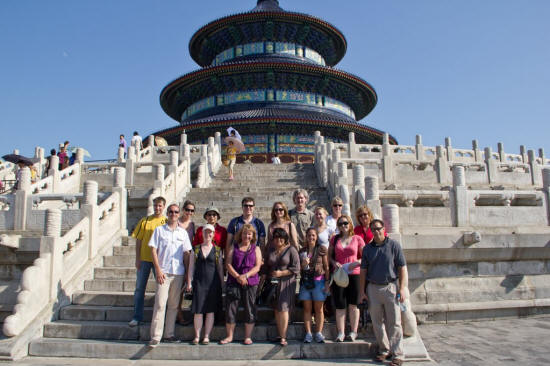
pixel 13 261
pixel 95 324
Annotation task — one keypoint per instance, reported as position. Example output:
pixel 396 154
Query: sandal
pixel 283 342
pixel 195 341
pixel 205 341
pixel 247 341
pixel 396 362
pixel 225 341
pixel 381 357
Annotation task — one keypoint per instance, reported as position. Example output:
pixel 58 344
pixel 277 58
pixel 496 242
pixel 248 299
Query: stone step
pixel 101 298
pixel 125 313
pixel 80 348
pixel 122 331
pixel 117 285
pixel 115 273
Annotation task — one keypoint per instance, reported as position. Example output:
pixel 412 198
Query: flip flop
pixel 205 341
pixel 247 341
pixel 283 342
pixel 195 341
pixel 225 341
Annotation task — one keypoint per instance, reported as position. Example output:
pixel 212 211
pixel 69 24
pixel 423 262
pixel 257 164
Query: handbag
pixel 268 294
pixel 233 293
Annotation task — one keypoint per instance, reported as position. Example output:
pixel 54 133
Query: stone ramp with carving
pixel 95 324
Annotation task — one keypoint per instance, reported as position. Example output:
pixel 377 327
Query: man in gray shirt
pixel 382 264
pixel 300 216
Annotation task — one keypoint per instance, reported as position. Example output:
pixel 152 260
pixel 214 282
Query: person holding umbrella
pixel 234 146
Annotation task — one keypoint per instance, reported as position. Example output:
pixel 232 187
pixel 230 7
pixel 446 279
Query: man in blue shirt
pixel 382 264
pixel 246 218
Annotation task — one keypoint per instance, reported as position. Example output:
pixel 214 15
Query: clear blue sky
pixel 87 71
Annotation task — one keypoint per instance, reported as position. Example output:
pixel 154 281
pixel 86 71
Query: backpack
pixel 218 252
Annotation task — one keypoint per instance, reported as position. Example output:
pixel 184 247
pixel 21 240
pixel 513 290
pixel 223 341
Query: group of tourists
pixel 259 266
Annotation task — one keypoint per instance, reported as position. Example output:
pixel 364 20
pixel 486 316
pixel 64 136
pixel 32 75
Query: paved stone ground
pixel 502 342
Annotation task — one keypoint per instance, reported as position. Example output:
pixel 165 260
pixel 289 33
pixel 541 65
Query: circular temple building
pixel 269 74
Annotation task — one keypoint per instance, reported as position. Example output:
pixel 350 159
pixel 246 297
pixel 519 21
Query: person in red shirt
pixel 363 215
pixel 212 215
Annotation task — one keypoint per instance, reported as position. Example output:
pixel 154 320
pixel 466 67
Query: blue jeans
pixel 141 283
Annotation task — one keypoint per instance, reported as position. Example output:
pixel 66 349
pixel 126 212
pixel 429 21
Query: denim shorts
pixel 315 294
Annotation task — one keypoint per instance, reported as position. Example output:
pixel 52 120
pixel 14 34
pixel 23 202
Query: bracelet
pixel 246 275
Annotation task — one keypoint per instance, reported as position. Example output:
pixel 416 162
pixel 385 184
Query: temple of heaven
pixel 269 73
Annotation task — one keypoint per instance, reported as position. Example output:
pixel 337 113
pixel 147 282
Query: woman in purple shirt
pixel 243 263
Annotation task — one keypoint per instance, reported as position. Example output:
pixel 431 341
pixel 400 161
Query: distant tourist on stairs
pixel 122 143
pixel 276 160
pixel 205 277
pixel 144 258
pixel 243 263
pixel 300 216
pixel 137 141
pixel 170 248
pixel 231 151
pixel 382 264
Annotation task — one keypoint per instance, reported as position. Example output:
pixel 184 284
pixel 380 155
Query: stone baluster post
pixel 542 156
pixel 54 172
pixel 49 244
pixel 330 162
pixel 119 183
pixel 172 169
pixel 89 208
pixel 387 159
pixel 323 178
pixel 23 204
pixel 536 175
pixel 150 205
pixel 16 151
pixel 477 152
pixel 449 149
pixel 218 151
pixel 443 172
pixel 546 189
pixel 316 136
pixel 39 154
pixel 523 153
pixel 211 157
pixel 79 156
pixel 461 203
pixel 501 153
pixel 120 155
pixel 158 178
pixel 334 170
pixel 130 166
pixel 420 154
pixel 352 146
pixel 491 166
pixel 151 143
pixel 183 143
pixel 358 186
pixel 187 160
pixel 344 194
pixel 390 214
pixel 372 195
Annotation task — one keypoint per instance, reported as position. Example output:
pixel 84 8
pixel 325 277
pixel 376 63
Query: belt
pixel 381 284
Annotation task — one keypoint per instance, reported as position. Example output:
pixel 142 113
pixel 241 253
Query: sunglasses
pixel 343 223
pixel 173 212
pixel 189 210
pixel 248 206
pixel 279 209
pixel 337 205
pixel 377 228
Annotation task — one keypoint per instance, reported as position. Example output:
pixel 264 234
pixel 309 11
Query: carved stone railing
pixel 50 281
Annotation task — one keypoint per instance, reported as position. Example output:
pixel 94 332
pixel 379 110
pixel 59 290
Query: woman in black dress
pixel 206 276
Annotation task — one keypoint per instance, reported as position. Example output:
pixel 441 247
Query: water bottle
pixel 402 305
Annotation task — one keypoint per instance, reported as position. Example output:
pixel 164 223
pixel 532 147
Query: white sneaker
pixel 339 338
pixel 133 323
pixel 352 336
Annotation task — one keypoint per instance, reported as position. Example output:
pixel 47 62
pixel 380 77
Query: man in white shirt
pixel 137 141
pixel 170 246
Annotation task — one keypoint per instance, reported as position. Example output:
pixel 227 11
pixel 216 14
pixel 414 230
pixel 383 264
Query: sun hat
pixel 340 277
pixel 210 209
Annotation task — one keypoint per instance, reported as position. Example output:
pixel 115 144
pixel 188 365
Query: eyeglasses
pixel 376 228
pixel 189 210
pixel 337 205
pixel 343 223
pixel 173 212
pixel 248 206
pixel 279 209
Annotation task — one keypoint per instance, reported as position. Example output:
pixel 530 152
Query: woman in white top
pixel 337 205
pixel 324 232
